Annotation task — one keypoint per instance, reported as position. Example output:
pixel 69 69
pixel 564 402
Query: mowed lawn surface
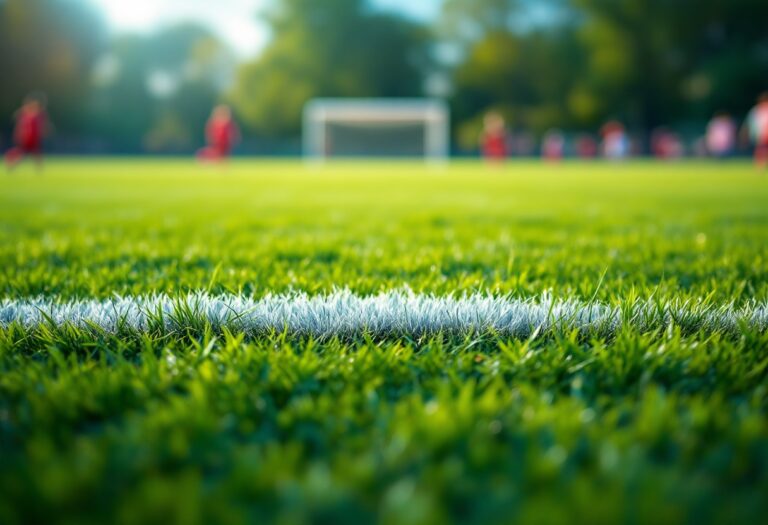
pixel 195 424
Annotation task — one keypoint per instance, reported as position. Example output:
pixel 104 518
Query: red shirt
pixel 495 145
pixel 221 133
pixel 30 128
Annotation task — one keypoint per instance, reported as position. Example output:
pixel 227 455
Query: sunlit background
pixel 141 76
pixel 234 21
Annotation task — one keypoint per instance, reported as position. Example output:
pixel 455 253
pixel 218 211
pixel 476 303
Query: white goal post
pixel 376 128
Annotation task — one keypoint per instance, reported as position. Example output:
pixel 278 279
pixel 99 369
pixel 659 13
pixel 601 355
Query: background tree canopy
pixel 334 48
pixel 569 64
pixel 580 62
pixel 48 45
pixel 156 91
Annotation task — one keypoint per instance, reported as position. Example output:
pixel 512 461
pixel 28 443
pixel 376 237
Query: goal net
pixel 376 128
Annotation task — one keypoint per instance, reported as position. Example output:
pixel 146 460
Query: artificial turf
pixel 195 422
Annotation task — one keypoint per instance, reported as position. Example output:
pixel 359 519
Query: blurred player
pixel 586 146
pixel 31 128
pixel 721 135
pixel 615 140
pixel 666 144
pixel 221 133
pixel 757 127
pixel 494 138
pixel 553 145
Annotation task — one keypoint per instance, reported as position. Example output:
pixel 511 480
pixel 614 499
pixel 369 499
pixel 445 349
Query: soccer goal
pixel 376 128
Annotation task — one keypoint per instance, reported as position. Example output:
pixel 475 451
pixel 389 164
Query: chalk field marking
pixel 391 313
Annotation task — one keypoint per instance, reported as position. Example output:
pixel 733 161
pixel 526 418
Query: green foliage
pixel 529 78
pixel 335 48
pixel 126 113
pixel 647 63
pixel 680 58
pixel 48 45
pixel 569 64
pixel 205 425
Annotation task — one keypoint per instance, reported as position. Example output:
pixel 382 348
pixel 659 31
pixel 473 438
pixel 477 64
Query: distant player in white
pixel 615 140
pixel 553 145
pixel 757 127
pixel 721 135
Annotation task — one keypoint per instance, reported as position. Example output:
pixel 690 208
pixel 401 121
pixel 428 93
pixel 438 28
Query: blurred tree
pixel 157 91
pixel 575 63
pixel 48 45
pixel 334 48
pixel 544 63
pixel 672 60
pixel 471 20
pixel 529 72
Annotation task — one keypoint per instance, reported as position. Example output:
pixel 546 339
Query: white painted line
pixel 387 314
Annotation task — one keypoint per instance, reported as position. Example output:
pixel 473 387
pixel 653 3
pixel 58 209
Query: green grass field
pixel 664 423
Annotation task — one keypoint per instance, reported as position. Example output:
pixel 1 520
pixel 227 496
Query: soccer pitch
pixel 386 342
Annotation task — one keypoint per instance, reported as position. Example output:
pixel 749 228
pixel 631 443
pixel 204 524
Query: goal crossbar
pixel 320 114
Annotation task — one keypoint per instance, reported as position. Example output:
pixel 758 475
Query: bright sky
pixel 234 20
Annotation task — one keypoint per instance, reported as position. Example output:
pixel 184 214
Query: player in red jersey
pixel 30 130
pixel 221 133
pixel 494 138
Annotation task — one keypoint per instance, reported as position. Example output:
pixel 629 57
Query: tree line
pixel 567 64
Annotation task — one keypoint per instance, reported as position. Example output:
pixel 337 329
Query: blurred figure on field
pixel 493 140
pixel 721 135
pixel 553 145
pixel 666 144
pixel 221 133
pixel 522 144
pixel 586 146
pixel 31 127
pixel 615 140
pixel 699 147
pixel 757 128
